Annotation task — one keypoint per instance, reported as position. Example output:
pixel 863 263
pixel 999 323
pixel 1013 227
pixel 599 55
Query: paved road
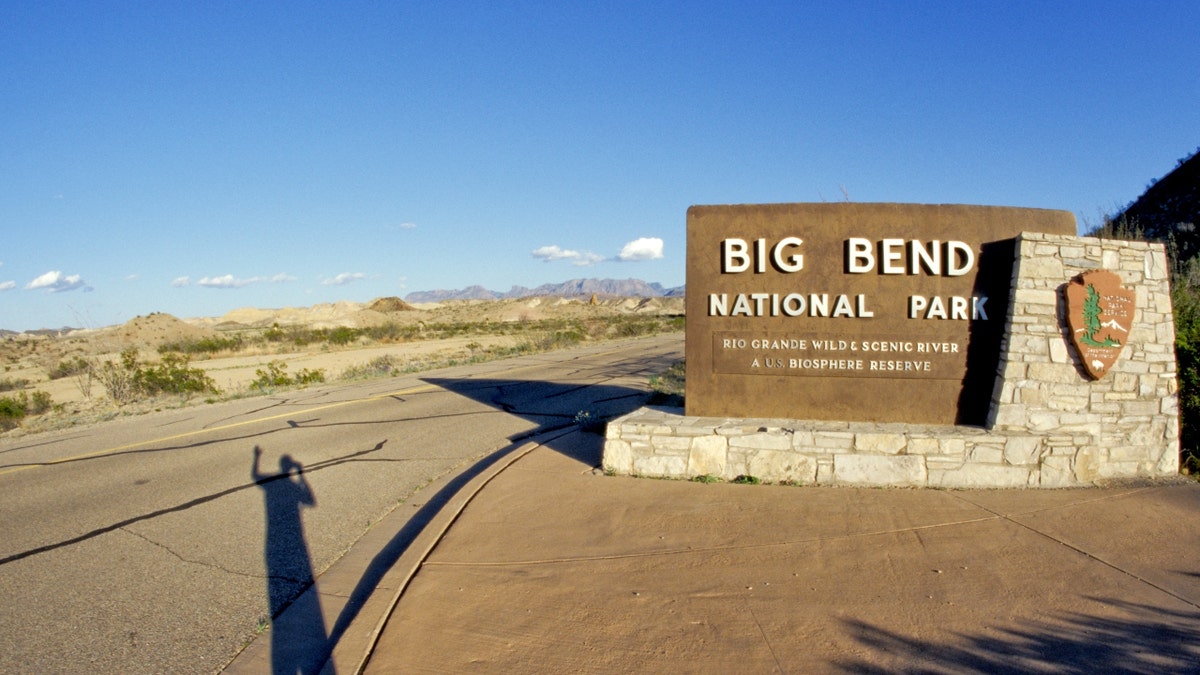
pixel 163 543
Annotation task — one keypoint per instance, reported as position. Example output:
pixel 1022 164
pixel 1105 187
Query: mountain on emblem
pixel 1100 314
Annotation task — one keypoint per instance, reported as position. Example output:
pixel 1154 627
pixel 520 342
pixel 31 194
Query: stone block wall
pixel 1050 425
pixel 1124 424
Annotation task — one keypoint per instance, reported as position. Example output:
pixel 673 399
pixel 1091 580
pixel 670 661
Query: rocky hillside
pixel 625 288
pixel 1168 211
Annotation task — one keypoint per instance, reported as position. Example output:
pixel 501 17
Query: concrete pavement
pixel 532 561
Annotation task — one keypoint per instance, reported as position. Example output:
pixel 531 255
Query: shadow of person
pixel 298 645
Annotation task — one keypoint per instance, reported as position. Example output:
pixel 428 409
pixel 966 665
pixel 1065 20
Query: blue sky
pixel 197 157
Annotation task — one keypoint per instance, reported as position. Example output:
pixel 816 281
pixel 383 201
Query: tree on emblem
pixel 1091 321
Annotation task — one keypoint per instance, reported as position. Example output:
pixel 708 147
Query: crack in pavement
pixel 316 466
pixel 763 633
pixel 200 563
pixel 1079 549
pixel 710 549
pixel 994 516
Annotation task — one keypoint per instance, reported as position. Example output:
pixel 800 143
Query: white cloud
pixel 132 277
pixel 577 258
pixel 549 253
pixel 344 278
pixel 402 226
pixel 645 248
pixel 181 282
pixel 7 285
pixel 230 281
pixel 226 281
pixel 56 282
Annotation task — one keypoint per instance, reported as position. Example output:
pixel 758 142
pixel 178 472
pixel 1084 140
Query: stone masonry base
pixel 663 443
pixel 1049 426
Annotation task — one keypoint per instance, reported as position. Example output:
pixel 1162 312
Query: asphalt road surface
pixel 165 543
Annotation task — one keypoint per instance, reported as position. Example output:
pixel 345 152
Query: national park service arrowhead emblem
pixel 1100 314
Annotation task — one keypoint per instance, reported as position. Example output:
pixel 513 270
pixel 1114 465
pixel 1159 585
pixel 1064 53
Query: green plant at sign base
pixel 667 388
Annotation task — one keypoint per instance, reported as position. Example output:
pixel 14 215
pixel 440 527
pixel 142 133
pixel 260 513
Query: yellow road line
pixel 108 451
pixel 420 389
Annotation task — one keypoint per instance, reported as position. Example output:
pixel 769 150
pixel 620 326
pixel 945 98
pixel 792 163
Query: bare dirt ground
pixel 28 360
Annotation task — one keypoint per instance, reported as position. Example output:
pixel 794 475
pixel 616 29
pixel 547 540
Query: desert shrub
pixel 172 376
pixel 206 345
pixel 500 352
pixel 276 375
pixel 554 333
pixel 637 328
pixel 13 409
pixel 306 376
pixel 69 368
pixel 13 384
pixel 1185 297
pixel 392 332
pixel 130 379
pixel 85 376
pixel 595 329
pixel 39 402
pixel 11 412
pixel 301 336
pixel 627 327
pixel 118 378
pixel 560 339
pixel 342 335
pixel 377 367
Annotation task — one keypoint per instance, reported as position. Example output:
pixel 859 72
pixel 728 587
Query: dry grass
pixel 341 340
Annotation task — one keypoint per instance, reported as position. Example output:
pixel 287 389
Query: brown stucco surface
pixel 957 386
pixel 553 568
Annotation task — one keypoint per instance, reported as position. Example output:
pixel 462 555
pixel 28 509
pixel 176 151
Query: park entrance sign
pixel 914 345
pixel 867 312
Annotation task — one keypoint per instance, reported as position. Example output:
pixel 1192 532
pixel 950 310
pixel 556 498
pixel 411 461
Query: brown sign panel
pixel 1100 314
pixel 874 312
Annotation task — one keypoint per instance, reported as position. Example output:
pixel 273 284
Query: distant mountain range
pixel 611 288
pixel 625 288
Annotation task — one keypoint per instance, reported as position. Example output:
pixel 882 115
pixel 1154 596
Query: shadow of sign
pixel 984 342
pixel 1125 637
pixel 552 406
